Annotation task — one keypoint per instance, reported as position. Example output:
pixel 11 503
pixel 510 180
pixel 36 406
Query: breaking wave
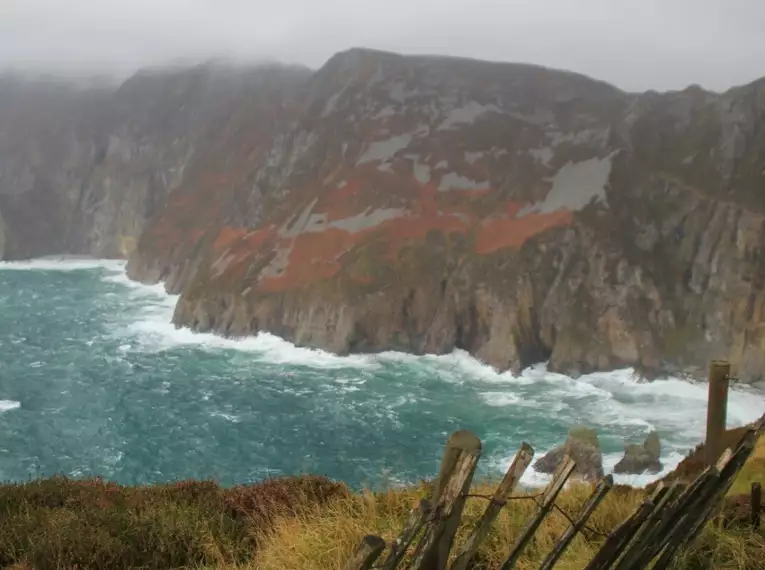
pixel 351 417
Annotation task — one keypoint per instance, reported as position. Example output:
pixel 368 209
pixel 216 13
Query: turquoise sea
pixel 95 380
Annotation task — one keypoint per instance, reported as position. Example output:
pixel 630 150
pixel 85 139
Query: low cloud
pixel 634 44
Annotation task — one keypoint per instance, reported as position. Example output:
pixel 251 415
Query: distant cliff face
pixel 426 204
pixel 83 169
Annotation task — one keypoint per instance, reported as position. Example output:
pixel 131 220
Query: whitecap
pixel 501 399
pixel 63 263
pixel 7 405
pixel 228 417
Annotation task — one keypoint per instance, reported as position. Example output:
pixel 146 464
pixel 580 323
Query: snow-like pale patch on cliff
pixel 454 181
pixel 467 114
pixel 574 186
pixel 385 150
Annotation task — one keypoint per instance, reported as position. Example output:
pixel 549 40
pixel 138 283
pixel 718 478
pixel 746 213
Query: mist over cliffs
pixel 419 204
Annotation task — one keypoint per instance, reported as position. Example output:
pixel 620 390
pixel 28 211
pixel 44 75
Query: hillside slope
pixel 414 203
pixel 520 213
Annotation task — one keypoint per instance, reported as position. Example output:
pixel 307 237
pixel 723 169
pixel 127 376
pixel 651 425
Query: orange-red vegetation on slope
pixel 248 240
pixel 312 257
pixel 315 255
pixel 499 233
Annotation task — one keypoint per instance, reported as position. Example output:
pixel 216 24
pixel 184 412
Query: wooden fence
pixel 667 521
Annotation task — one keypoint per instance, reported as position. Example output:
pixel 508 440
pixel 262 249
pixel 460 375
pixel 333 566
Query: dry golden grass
pixel 325 538
pixel 306 523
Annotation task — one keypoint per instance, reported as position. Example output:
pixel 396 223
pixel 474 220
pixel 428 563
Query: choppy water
pixel 94 380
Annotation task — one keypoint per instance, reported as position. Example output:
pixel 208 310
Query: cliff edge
pixel 425 204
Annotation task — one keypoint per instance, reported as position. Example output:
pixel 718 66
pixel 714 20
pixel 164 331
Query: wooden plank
pixel 600 492
pixel 756 503
pixel 654 525
pixel 549 495
pixel 414 524
pixel 728 466
pixel 457 468
pixel 619 539
pixel 366 553
pixel 717 406
pixel 501 495
pixel 681 525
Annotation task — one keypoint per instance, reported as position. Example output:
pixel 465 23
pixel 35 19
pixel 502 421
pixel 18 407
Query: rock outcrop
pixel 583 447
pixel 639 459
pixel 426 204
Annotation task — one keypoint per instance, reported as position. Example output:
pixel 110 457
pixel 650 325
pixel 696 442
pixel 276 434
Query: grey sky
pixel 636 44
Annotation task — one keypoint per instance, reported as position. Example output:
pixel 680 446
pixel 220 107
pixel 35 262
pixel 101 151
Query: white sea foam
pixel 153 330
pixel 228 417
pixel 7 405
pixel 613 402
pixel 617 403
pixel 62 263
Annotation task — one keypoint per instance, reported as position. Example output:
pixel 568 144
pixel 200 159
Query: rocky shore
pixel 420 204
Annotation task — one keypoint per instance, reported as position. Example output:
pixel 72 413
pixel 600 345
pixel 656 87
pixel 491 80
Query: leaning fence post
pixel 413 525
pixel 690 516
pixel 457 468
pixel 717 404
pixel 653 527
pixel 619 539
pixel 756 500
pixel 549 495
pixel 366 553
pixel 501 495
pixel 586 511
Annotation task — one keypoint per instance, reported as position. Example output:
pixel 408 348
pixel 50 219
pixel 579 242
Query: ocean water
pixel 94 380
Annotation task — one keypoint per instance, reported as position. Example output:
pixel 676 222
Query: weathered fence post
pixel 619 539
pixel 501 495
pixel 458 464
pixel 717 404
pixel 756 500
pixel 366 553
pixel 549 495
pixel 586 511
pixel 413 525
pixel 653 526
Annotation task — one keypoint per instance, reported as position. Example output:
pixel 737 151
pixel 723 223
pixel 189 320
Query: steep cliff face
pixel 520 213
pixel 419 204
pixel 83 169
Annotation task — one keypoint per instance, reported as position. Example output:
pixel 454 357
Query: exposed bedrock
pixel 416 203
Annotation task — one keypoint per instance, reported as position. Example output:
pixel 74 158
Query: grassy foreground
pixel 306 523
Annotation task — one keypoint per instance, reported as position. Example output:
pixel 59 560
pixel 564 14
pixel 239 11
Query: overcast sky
pixel 635 44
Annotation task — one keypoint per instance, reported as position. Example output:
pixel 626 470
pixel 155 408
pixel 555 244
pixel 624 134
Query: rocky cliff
pixel 425 204
pixel 83 168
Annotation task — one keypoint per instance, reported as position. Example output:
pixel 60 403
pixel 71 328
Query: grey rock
pixel 639 459
pixel 583 447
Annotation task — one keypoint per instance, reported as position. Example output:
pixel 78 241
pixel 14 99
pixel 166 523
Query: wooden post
pixel 717 404
pixel 729 465
pixel 588 508
pixel 457 468
pixel 756 501
pixel 366 553
pixel 501 495
pixel 688 520
pixel 653 527
pixel 619 539
pixel 547 501
pixel 411 528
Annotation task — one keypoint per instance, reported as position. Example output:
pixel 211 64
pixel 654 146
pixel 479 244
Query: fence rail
pixel 665 523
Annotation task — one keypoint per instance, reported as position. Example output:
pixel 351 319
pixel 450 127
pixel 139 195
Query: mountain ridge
pixel 426 204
